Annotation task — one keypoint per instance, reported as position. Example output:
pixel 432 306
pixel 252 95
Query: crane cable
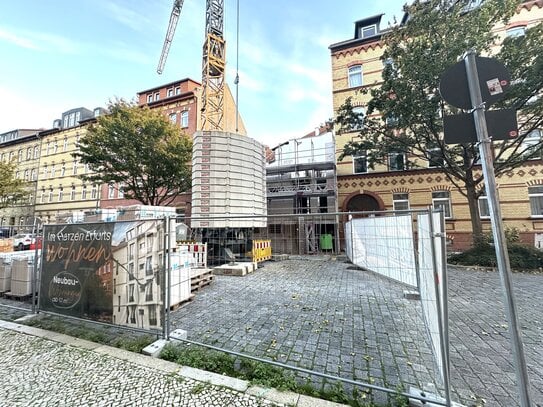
pixel 236 81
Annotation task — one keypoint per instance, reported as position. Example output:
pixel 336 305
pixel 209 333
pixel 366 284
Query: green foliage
pixel 435 37
pixel 260 373
pixel 139 149
pixel 521 257
pixel 12 189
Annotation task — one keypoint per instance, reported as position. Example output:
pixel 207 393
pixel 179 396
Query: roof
pixel 169 84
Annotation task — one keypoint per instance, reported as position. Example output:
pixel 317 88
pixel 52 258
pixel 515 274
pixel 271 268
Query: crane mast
pixel 213 62
pixel 213 66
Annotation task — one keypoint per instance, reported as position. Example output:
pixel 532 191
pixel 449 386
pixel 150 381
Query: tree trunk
pixel 476 225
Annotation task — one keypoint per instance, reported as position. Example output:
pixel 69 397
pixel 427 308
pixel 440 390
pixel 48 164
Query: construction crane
pixel 213 62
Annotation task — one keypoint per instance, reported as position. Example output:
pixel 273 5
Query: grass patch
pixel 107 336
pixel 257 373
pixel 484 255
pixel 264 374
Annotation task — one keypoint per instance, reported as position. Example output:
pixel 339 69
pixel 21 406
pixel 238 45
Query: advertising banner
pixel 77 270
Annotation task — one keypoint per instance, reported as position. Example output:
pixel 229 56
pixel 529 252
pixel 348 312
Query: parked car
pixel 37 242
pixel 23 241
pixel 7 232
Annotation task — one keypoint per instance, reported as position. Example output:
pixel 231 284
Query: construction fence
pixel 355 299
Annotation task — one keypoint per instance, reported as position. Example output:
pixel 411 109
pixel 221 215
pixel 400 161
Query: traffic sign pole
pixel 485 149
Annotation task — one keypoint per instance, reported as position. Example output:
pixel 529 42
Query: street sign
pixel 494 80
pixel 460 128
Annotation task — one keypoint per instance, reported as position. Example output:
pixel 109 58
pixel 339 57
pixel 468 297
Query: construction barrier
pixel 6 245
pixel 197 253
pixel 262 250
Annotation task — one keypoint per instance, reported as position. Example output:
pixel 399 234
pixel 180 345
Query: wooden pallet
pixel 179 304
pixel 200 278
pixel 10 296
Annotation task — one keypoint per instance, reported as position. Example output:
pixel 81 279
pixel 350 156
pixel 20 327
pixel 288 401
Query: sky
pixel 63 54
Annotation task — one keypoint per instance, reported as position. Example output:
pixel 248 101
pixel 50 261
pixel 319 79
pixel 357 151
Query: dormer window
pixel 369 31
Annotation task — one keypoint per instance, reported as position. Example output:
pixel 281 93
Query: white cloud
pixel 127 16
pixel 39 41
pixel 17 39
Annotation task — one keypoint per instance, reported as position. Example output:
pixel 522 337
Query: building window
pixel 170 92
pixel 74 167
pixel 29 153
pixel 60 194
pixel 360 164
pixel 94 192
pixel 72 193
pixel 131 251
pixel 531 145
pixel 20 155
pixel 36 152
pixel 27 174
pixel 53 170
pixel 55 147
pixel 149 266
pixel 396 161
pixel 84 192
pixel 120 193
pixel 111 191
pixel 152 315
pixel 42 196
pixel 149 291
pixel 400 201
pixel 131 291
pixel 173 118
pixel 535 194
pixel 50 194
pixel 359 115
pixel 435 158
pixel 442 200
pixel 63 169
pixel 34 174
pixel 65 144
pixel 185 118
pixel 482 202
pixel 178 91
pixel 157 96
pixel 518 31
pixel 369 31
pixel 355 76
pixel 149 98
pixel 45 171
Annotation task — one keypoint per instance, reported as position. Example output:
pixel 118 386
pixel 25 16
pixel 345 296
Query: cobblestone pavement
pixel 41 372
pixel 328 316
pixel 332 318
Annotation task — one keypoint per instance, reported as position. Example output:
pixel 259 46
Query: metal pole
pixel 485 149
pixel 167 275
pixel 444 358
pixel 445 296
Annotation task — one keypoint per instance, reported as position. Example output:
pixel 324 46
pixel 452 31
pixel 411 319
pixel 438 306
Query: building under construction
pixel 301 180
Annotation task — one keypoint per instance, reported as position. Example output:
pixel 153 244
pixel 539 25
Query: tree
pixel 405 111
pixel 12 189
pixel 139 150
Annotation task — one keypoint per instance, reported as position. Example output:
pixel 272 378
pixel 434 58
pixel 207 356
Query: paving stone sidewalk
pixel 65 371
pixel 327 316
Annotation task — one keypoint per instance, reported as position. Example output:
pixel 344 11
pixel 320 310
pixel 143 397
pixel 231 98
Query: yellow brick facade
pixel 378 185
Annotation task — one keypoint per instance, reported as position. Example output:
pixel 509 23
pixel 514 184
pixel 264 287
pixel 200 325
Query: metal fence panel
pixel 385 245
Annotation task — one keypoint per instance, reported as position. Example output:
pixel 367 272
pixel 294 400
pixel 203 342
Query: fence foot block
pixel 411 295
pixel 155 348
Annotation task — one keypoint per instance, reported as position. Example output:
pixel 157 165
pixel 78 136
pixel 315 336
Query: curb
pixel 242 386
